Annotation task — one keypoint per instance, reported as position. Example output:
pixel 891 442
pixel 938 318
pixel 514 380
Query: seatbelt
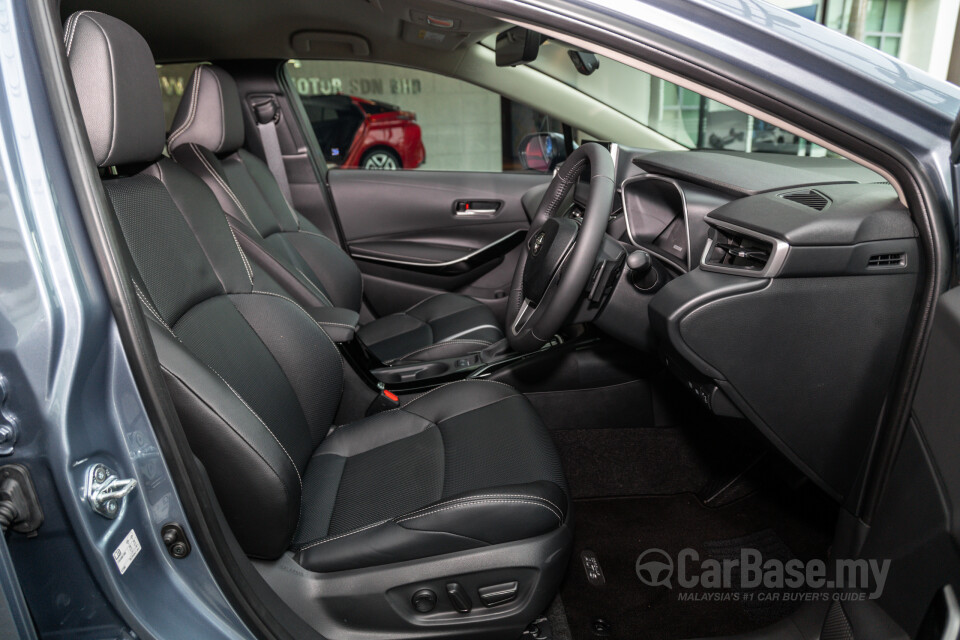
pixel 268 115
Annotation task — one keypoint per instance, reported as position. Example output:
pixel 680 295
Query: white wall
pixel 928 32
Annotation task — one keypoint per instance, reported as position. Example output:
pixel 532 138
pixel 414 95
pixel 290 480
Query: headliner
pixel 192 30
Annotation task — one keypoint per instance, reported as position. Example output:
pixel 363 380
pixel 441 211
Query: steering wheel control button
pixel 424 600
pixel 458 597
pixel 498 593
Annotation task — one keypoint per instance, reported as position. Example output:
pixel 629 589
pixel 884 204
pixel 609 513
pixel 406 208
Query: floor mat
pixel 611 535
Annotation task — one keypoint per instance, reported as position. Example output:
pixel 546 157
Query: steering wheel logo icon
pixel 655 568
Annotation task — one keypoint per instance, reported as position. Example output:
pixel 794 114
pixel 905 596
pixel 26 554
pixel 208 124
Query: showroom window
pixel 884 25
pixel 676 113
pixel 378 116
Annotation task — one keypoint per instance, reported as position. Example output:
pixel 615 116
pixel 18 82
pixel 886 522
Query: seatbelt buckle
pixel 385 401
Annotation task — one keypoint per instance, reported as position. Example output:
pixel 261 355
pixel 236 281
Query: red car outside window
pixel 358 133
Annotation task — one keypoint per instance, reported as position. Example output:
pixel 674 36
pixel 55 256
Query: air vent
pixel 733 250
pixel 887 260
pixel 809 198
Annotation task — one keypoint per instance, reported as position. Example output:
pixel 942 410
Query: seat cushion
pixel 466 465
pixel 443 326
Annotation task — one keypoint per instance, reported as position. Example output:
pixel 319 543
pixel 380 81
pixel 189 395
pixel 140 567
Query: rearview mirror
pixel 517 46
pixel 585 62
pixel 542 151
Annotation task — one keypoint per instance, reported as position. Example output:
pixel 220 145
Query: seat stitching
pixel 425 300
pixel 253 180
pixel 479 497
pixel 223 112
pixel 113 89
pixel 194 99
pixel 257 416
pixel 243 256
pixel 447 384
pixel 315 287
pixel 152 310
pixel 440 344
pixel 224 186
pixel 73 29
pixel 342 535
pixel 530 502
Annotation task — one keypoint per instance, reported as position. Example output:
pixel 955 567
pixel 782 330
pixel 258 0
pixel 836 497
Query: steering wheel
pixel 561 252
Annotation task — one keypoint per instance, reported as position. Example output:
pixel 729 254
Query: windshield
pixel 679 114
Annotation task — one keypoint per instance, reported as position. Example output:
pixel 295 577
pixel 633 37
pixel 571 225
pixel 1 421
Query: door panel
pixel 418 233
pixel 917 525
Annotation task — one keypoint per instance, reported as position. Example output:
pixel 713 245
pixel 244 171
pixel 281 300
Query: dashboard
pixel 783 291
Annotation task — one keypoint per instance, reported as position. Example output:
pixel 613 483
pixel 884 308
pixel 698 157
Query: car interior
pixel 443 403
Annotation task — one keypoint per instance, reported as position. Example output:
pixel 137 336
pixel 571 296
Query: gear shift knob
pixel 640 263
pixel 642 274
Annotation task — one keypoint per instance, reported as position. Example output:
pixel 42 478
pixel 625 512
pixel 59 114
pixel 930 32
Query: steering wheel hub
pixel 548 249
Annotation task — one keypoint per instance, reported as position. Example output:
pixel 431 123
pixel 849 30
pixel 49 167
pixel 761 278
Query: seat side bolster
pixel 496 515
pixel 468 521
pixel 378 544
pixel 233 445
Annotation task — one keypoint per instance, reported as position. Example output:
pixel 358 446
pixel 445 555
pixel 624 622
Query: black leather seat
pixel 207 137
pixel 257 381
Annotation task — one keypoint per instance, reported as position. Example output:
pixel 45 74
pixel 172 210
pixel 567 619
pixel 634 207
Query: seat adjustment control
pixel 498 593
pixel 458 597
pixel 424 600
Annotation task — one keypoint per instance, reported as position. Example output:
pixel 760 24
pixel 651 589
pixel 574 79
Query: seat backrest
pixel 207 137
pixel 255 379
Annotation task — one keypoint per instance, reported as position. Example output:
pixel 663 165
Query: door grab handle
pixel 477 207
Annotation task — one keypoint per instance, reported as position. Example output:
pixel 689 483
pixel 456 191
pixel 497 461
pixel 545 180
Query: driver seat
pixel 207 138
pixel 459 492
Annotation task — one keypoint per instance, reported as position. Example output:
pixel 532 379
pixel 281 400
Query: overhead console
pixel 794 314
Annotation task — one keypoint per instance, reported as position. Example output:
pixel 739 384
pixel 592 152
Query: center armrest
pixel 340 324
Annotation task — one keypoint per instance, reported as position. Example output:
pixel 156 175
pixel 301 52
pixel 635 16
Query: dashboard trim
pixel 774 263
pixel 683 201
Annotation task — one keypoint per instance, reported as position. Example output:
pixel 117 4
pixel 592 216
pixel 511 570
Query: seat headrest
pixel 209 114
pixel 118 88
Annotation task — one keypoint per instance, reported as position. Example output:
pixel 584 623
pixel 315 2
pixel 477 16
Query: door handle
pixel 476 207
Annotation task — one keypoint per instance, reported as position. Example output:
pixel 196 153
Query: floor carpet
pixel 792 524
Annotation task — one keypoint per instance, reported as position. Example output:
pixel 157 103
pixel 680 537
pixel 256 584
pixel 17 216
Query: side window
pixel 377 116
pixel 173 80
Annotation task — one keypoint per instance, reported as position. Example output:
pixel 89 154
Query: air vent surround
pixel 808 198
pixel 735 250
pixel 894 260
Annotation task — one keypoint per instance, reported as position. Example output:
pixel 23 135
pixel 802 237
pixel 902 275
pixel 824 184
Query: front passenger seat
pixel 207 137
pixel 457 491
